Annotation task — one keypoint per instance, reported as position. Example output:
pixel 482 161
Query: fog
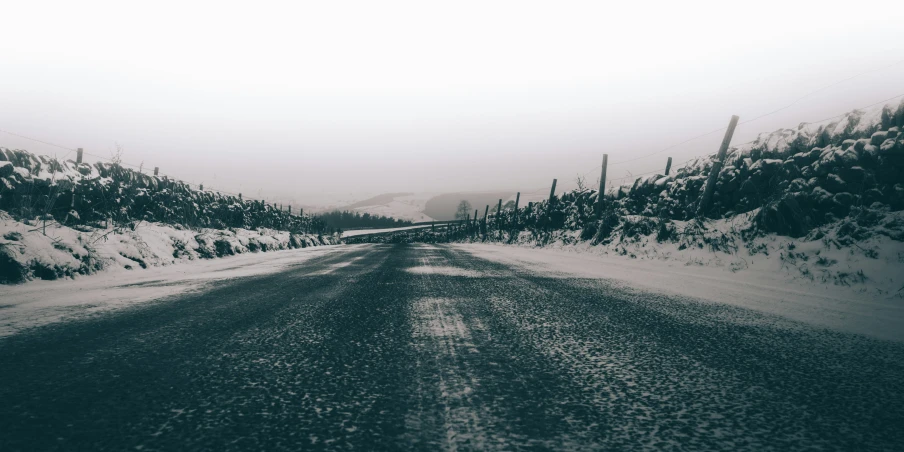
pixel 332 101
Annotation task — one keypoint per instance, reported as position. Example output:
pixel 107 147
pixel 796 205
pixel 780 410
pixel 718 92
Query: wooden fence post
pixel 78 155
pixel 552 193
pixel 668 166
pixel 707 198
pixel 517 198
pixel 602 192
pixel 156 170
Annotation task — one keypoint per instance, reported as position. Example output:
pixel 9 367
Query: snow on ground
pixel 410 207
pixel 42 302
pixel 759 287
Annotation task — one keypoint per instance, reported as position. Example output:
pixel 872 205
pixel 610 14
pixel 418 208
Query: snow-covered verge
pixel 863 253
pixel 29 250
pixel 765 284
pixel 42 302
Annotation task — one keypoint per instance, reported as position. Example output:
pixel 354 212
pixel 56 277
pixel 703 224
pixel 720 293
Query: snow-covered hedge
pixel 29 251
pixel 106 194
pixel 61 219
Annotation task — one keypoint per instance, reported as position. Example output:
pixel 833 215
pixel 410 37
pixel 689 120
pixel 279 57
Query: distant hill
pixel 422 207
pixel 385 198
pixel 442 207
pixel 402 206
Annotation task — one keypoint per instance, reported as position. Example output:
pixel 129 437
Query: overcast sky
pixel 313 101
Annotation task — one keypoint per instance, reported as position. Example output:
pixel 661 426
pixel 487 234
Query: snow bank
pixel 861 254
pixel 28 250
pixel 43 302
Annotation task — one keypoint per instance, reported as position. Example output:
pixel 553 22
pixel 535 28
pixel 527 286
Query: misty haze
pixel 467 226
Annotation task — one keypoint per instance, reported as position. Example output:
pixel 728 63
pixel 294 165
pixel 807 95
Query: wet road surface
pixel 401 347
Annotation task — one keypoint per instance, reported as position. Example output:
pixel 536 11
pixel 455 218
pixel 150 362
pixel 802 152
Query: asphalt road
pixel 391 347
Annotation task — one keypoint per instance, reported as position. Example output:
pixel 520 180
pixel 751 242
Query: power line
pixel 741 144
pixel 795 101
pixel 821 89
pixel 70 150
pixel 754 140
pixel 861 108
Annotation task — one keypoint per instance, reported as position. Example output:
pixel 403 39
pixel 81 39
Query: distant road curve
pixel 357 232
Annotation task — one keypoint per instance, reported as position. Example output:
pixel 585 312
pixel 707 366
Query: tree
pixel 463 211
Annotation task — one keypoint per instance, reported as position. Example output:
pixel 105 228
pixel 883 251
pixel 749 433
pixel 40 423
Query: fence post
pixel 668 166
pixel 71 205
pixel 602 192
pixel 156 170
pixel 78 155
pixel 707 198
pixel 517 198
pixel 552 193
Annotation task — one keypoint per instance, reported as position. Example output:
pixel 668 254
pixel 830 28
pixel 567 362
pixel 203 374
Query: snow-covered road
pixel 421 347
